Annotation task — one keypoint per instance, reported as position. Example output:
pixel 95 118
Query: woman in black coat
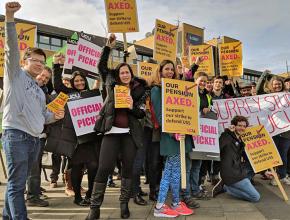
pixel 122 131
pixel 83 152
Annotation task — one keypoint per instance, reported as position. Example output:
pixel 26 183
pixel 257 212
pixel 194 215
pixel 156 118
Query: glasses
pixel 36 61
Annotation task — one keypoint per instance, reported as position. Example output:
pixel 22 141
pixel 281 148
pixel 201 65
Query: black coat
pixel 232 168
pixel 62 138
pixel 139 92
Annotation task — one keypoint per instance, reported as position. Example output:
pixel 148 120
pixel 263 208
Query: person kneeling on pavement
pixel 233 172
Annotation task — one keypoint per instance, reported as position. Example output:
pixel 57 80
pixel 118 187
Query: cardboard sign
pixel 206 145
pixel 84 114
pixel 122 16
pixel 146 70
pixel 271 110
pixel 164 41
pixel 58 103
pixel 180 107
pixel 206 53
pixel 71 52
pixel 231 59
pixel 260 149
pixel 185 61
pixel 26 38
pixel 121 93
pixel 87 55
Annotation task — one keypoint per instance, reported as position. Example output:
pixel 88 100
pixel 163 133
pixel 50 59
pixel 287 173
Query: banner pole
pixel 182 162
pixel 125 47
pixel 279 184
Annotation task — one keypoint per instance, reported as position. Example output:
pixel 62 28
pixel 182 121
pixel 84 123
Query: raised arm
pixel 103 63
pixel 58 61
pixel 12 56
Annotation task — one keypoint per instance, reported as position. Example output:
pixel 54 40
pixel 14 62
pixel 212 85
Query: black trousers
pixel 112 146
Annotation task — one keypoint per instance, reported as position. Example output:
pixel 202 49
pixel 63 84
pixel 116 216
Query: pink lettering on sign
pixel 86 109
pixel 204 140
pixel 178 101
pixel 88 121
pixel 90 51
pixel 87 60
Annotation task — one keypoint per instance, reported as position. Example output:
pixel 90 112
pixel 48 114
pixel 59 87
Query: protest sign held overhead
pixel 260 148
pixel 165 36
pixel 58 103
pixel 206 53
pixel 84 113
pixel 231 59
pixel 206 144
pixel 87 56
pixel 180 107
pixel 121 93
pixel 146 70
pixel 271 110
pixel 71 52
pixel 26 38
pixel 122 16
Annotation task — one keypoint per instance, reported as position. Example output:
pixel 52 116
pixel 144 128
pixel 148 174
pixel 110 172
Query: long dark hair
pixel 74 75
pixel 117 72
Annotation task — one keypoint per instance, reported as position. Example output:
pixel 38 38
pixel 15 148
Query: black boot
pixel 125 197
pixel 96 200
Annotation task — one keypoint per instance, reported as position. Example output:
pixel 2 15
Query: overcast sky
pixel 262 25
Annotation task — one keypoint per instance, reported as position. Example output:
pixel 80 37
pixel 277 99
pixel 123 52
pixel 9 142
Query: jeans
pixel 192 177
pixel 34 178
pixel 21 150
pixel 243 190
pixel 283 145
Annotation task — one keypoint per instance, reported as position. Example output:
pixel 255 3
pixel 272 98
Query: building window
pixel 50 43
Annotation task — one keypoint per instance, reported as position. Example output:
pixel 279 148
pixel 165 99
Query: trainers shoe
pixel 42 189
pixel 191 203
pixel 202 195
pixel 53 184
pixel 218 189
pixel 42 196
pixel 37 202
pixel 285 181
pixel 166 212
pixel 182 209
pixel 273 182
pixel 69 192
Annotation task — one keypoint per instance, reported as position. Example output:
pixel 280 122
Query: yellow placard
pixel 121 94
pixel 191 35
pixel 185 61
pixel 180 107
pixel 231 59
pixel 122 16
pixel 58 103
pixel 206 53
pixel 26 38
pixel 260 149
pixel 164 41
pixel 147 70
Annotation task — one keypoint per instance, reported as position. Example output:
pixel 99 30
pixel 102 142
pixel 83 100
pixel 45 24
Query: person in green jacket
pixel 169 148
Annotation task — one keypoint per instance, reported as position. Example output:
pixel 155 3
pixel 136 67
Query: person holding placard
pixel 24 115
pixel 63 135
pixel 233 172
pixel 122 130
pixel 276 84
pixel 169 147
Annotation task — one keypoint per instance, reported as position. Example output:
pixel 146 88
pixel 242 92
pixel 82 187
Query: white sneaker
pixel 285 181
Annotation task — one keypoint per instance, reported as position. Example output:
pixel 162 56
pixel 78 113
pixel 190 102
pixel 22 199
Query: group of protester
pixel 132 136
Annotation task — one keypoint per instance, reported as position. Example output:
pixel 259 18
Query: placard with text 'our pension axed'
pixel 26 38
pixel 206 53
pixel 231 59
pixel 121 94
pixel 165 37
pixel 58 103
pixel 180 107
pixel 260 149
pixel 146 70
pixel 122 16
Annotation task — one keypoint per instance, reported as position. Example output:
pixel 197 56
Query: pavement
pixel 223 207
